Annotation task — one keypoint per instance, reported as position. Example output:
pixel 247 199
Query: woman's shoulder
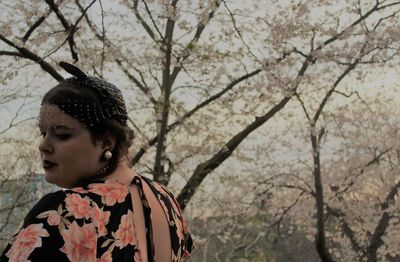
pixel 53 199
pixel 155 186
pixel 59 201
pixel 47 202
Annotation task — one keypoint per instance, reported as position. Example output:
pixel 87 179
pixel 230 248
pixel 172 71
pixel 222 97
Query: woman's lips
pixel 48 164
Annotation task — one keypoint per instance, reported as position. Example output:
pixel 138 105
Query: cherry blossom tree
pixel 207 81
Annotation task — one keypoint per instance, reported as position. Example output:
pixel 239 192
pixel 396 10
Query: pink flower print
pixel 79 190
pixel 100 219
pixel 80 242
pixel 27 240
pixel 111 191
pixel 125 234
pixel 106 257
pixel 78 206
pixel 53 217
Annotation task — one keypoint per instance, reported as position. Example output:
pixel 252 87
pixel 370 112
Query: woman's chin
pixel 51 178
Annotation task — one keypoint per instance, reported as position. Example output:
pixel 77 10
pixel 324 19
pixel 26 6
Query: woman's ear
pixel 108 141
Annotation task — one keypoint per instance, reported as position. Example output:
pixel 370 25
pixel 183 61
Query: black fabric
pixel 63 223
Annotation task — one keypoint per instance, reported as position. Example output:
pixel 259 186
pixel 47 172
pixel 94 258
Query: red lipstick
pixel 48 164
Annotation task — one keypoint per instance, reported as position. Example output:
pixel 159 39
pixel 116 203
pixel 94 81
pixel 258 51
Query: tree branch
pixel 35 58
pixel 10 53
pixel 320 237
pixel 144 24
pixel 376 239
pixel 153 141
pixel 162 111
pixel 362 18
pixel 67 26
pixel 347 230
pixel 35 26
pixel 203 169
pixel 192 43
pixel 142 86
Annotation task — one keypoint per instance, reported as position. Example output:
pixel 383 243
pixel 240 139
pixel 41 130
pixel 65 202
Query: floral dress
pixel 94 222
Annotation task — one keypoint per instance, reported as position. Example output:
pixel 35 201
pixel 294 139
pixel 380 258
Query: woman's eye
pixel 63 136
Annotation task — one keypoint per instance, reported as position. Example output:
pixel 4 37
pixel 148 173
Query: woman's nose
pixel 45 145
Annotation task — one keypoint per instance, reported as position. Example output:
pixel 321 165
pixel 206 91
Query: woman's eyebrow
pixel 61 127
pixel 55 127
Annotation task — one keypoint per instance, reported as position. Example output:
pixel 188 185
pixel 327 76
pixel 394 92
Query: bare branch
pixel 153 141
pixel 103 30
pixel 362 18
pixel 71 29
pixel 9 53
pixel 35 26
pixel 350 67
pixel 67 26
pixel 192 43
pixel 269 181
pixel 144 24
pixel 286 210
pixel 302 105
pixel 142 85
pixel 238 31
pixel 17 199
pixel 35 58
pixel 152 20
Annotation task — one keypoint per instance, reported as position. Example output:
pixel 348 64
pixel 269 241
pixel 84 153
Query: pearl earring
pixel 107 155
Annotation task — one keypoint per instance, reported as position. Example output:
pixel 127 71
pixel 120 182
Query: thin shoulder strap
pixel 147 218
pixel 162 219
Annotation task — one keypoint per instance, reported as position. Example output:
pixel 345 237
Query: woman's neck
pixel 123 173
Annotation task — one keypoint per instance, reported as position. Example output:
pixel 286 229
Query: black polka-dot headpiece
pixel 112 105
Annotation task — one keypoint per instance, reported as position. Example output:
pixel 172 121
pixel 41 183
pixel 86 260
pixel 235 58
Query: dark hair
pixel 124 135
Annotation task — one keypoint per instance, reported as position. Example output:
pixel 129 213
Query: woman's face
pixel 67 151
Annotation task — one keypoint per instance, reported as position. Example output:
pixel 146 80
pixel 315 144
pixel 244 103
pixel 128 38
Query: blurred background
pixel 275 123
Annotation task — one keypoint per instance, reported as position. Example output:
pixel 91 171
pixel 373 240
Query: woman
pixel 107 212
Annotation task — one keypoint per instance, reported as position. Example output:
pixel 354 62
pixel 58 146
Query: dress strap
pixel 147 218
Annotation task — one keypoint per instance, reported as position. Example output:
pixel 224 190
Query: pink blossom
pixel 125 234
pixel 78 206
pixel 100 219
pixel 78 190
pixel 27 240
pixel 53 218
pixel 111 190
pixel 80 242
